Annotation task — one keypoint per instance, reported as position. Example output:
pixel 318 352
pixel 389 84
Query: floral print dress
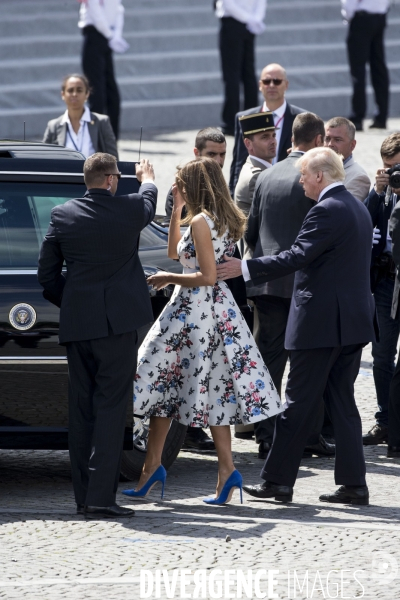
pixel 199 363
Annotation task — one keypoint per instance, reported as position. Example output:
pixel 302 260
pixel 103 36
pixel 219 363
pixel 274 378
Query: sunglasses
pixel 274 81
pixel 117 175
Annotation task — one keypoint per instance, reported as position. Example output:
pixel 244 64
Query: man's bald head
pixel 273 85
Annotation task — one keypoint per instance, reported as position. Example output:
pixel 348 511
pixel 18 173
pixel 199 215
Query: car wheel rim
pixel 141 433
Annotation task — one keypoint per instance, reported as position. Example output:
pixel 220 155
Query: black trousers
pixel 272 317
pixel 97 65
pixel 236 46
pixel 101 374
pixel 394 408
pixel 365 45
pixel 328 372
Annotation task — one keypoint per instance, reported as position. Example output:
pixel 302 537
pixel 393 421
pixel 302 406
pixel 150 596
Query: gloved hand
pixel 376 236
pixel 118 44
pixel 256 27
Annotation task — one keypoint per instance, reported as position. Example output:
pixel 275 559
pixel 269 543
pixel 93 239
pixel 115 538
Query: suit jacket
pixel 380 214
pixel 100 130
pixel 277 214
pixel 244 193
pixel 394 230
pixel 357 181
pixel 239 150
pixel 98 236
pixel 332 304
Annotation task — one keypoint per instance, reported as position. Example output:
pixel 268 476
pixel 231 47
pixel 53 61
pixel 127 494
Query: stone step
pixel 170 76
pixel 195 38
pixel 184 85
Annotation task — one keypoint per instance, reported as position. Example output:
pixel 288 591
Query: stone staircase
pixel 170 77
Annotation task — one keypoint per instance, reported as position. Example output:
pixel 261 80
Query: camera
pixel 394 176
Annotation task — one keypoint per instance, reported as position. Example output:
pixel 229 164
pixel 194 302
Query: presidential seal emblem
pixel 22 316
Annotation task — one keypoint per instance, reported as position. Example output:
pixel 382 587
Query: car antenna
pixel 140 141
pixel 24 131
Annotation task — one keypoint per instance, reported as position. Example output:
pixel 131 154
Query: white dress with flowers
pixel 199 363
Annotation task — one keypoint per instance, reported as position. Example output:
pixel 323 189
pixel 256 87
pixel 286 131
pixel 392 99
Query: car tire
pixel 133 460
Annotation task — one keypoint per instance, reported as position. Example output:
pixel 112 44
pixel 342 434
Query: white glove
pixel 376 236
pixel 256 27
pixel 118 44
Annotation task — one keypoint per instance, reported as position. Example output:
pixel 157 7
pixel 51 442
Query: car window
pixel 24 218
pixel 25 210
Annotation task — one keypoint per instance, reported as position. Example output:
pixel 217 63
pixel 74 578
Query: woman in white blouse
pixel 79 128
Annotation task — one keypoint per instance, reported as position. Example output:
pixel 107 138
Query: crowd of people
pixel 300 234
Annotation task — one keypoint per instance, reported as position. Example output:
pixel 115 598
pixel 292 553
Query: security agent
pixel 273 85
pixel 210 142
pixel 380 203
pixel 104 300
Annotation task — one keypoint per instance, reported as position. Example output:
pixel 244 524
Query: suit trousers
pixel 236 45
pixel 328 372
pixel 365 44
pixel 269 333
pixel 394 408
pixel 101 374
pixel 97 65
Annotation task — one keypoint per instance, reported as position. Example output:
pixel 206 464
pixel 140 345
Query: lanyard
pixel 82 138
pixel 279 120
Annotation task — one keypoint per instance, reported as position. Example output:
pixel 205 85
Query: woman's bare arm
pixel 207 275
pixel 174 233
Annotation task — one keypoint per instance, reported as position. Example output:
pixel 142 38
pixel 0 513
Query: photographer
pixel 380 203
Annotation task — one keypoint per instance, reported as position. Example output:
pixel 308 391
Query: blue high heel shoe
pixel 234 481
pixel 159 474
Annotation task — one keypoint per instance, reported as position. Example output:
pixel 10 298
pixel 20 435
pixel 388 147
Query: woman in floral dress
pixel 199 363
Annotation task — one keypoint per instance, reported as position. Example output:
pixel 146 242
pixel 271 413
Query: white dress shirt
pixel 80 141
pixel 107 16
pixel 279 117
pixel 349 7
pixel 250 12
pixel 329 187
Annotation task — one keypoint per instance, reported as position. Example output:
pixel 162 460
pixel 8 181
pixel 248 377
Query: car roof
pixel 23 149
pixel 26 156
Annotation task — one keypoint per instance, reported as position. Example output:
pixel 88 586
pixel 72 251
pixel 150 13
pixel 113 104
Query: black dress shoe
pixel 244 435
pixel 98 512
pixel 378 124
pixel 80 509
pixel 322 448
pixel 197 439
pixel 263 450
pixel 377 435
pixel 348 495
pixel 282 493
pixel 393 452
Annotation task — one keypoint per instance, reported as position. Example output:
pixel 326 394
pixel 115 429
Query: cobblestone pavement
pixel 47 552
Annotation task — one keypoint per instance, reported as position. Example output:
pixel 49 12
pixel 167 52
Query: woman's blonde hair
pixel 203 187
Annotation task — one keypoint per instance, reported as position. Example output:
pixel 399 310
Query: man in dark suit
pixel 104 300
pixel 393 450
pixel 332 316
pixel 276 216
pixel 273 85
pixel 380 203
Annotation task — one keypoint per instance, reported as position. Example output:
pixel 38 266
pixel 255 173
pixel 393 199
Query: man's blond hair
pixel 325 160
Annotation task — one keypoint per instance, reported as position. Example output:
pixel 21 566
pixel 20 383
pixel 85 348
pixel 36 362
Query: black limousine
pixel 34 178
